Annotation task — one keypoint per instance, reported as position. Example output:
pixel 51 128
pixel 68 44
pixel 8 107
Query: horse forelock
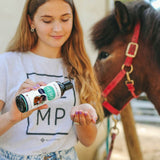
pixel 106 30
pixel 150 31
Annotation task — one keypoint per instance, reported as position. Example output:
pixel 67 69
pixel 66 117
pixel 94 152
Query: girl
pixel 48 46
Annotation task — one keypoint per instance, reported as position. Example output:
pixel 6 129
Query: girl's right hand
pixel 14 114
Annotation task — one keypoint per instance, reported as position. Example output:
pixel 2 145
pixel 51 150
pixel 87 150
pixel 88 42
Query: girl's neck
pixel 47 52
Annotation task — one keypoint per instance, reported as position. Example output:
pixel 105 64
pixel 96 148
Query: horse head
pixel 112 35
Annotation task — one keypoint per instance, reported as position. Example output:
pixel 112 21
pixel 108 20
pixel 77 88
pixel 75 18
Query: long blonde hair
pixel 73 53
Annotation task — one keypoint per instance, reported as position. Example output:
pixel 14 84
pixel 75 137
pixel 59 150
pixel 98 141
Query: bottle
pixel 35 98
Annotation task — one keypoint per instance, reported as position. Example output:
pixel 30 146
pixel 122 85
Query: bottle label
pixel 50 92
pixel 36 98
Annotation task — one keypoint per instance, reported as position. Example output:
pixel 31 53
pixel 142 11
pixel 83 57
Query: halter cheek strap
pixel 130 54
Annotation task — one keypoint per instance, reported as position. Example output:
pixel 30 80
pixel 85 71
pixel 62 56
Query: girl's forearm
pixel 5 123
pixel 86 134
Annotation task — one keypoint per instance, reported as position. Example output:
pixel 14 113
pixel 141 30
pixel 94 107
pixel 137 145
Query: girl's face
pixel 53 22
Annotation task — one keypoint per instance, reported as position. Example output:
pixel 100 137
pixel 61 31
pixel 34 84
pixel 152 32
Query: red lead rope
pixel 111 146
pixel 114 132
pixel 130 54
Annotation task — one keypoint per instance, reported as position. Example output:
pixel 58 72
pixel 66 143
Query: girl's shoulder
pixel 6 55
pixel 8 59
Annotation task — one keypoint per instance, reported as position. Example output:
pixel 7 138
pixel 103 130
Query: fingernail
pixel 34 87
pixel 38 85
pixel 80 112
pixel 76 112
pixel 85 114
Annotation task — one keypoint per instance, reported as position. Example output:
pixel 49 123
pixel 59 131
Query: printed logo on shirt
pixel 55 120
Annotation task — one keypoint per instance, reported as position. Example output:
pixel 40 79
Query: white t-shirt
pixel 47 130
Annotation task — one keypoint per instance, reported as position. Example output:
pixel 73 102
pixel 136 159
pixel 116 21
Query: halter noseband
pixel 130 54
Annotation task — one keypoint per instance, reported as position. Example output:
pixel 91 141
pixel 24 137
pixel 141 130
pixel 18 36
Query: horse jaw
pixel 153 92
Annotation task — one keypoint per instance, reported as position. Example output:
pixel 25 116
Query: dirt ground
pixel 149 138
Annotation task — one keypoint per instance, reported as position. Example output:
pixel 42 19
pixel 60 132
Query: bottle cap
pixel 67 85
pixel 21 103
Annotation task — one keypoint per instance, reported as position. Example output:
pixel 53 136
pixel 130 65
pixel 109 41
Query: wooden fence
pixel 144 111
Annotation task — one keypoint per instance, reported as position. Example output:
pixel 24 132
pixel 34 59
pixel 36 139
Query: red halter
pixel 130 54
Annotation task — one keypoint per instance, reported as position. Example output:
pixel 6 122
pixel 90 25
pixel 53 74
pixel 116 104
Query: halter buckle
pixel 128 52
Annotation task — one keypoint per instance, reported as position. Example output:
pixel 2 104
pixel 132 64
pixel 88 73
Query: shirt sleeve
pixel 3 78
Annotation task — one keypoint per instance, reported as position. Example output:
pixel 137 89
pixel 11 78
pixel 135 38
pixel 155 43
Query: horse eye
pixel 103 55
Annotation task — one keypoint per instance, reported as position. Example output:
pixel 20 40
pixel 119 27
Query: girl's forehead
pixel 54 8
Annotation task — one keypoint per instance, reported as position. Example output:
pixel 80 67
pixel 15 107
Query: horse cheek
pixel 97 69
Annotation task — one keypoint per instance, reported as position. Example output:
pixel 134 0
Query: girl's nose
pixel 57 26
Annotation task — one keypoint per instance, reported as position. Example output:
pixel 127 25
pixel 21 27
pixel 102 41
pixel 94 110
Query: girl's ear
pixel 30 22
pixel 122 17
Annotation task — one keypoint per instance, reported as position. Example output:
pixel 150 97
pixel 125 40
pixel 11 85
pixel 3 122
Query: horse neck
pixel 152 88
pixel 147 74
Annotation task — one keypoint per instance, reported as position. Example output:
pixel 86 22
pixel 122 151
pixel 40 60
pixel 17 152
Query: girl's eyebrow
pixel 66 14
pixel 46 16
pixel 51 16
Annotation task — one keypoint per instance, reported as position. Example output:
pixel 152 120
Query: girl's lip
pixel 57 37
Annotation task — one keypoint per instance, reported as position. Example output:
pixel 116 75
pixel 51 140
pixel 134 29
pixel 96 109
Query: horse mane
pixel 104 31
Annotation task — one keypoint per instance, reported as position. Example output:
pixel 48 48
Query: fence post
pixel 131 134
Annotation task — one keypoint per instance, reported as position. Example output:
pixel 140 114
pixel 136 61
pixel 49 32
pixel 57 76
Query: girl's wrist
pixel 11 120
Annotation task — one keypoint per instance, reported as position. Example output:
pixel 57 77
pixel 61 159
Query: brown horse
pixel 111 37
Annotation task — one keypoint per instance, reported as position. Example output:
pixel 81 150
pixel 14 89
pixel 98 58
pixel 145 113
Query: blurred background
pixel 90 11
pixel 146 118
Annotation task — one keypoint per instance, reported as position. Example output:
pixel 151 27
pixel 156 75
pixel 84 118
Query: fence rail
pixel 144 111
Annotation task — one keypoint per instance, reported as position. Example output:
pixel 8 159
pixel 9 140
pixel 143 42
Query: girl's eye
pixel 65 20
pixel 46 21
pixel 103 55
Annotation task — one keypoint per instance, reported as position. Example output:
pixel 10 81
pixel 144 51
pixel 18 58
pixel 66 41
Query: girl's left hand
pixel 83 115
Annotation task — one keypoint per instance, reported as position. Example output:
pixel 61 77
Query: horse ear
pixel 122 16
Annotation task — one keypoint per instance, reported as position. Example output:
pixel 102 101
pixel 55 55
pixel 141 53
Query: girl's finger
pixel 76 118
pixel 82 119
pixel 45 106
pixel 88 118
pixel 27 84
pixel 41 83
pixel 93 115
pixel 73 111
pixel 29 81
pixel 72 117
pixel 23 91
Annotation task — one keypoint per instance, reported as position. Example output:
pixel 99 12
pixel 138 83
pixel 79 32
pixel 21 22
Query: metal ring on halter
pixel 131 68
pixel 76 123
pixel 114 130
pixel 128 79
